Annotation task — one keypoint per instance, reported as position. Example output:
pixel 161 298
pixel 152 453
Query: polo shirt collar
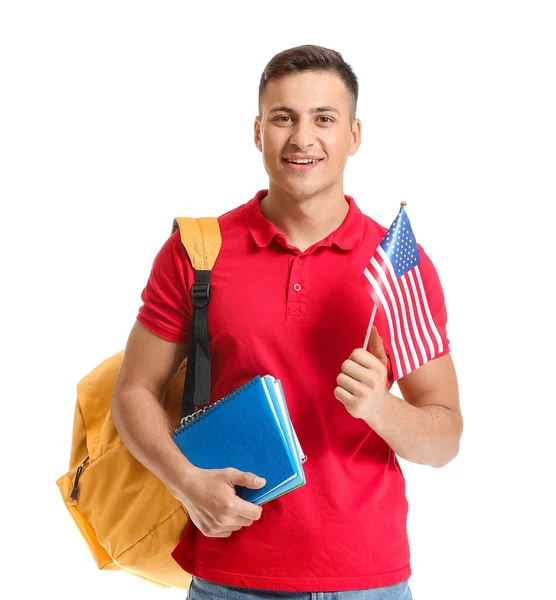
pixel 347 236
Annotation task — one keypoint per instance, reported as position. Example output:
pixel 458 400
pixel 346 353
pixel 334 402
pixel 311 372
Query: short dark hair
pixel 311 58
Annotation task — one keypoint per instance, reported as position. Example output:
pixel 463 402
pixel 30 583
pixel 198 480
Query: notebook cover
pixel 242 431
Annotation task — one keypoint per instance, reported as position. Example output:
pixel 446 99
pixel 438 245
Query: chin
pixel 307 188
pixel 296 185
pixel 301 190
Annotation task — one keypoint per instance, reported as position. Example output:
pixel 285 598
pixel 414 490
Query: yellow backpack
pixel 129 519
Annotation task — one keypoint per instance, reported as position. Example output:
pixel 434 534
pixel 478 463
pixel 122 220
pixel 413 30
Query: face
pixel 306 116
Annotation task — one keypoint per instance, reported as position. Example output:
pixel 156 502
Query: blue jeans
pixel 205 590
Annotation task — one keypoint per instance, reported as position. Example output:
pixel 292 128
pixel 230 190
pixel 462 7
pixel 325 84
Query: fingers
pixel 243 522
pixel 221 512
pixel 348 383
pixel 363 370
pixel 240 522
pixel 234 520
pixel 248 510
pixel 376 346
pixel 343 396
pixel 353 371
pixel 375 355
pixel 239 514
pixel 222 534
pixel 249 480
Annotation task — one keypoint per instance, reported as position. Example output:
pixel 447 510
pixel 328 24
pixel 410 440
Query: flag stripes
pixel 413 334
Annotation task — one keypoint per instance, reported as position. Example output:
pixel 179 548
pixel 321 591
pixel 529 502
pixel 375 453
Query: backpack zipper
pixel 77 476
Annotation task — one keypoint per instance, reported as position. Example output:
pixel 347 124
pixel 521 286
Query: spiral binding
pixel 196 416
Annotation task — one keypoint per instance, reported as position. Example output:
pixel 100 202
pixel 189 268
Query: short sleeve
pixel 166 308
pixel 436 304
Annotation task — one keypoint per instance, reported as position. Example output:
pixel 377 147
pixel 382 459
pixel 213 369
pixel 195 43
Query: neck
pixel 304 220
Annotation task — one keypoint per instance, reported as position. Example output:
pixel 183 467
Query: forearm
pixel 426 435
pixel 146 430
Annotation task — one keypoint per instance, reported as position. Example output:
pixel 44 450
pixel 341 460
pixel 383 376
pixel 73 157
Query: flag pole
pixel 369 329
pixel 368 336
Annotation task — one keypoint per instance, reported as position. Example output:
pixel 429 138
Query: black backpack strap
pixel 196 390
pixel 202 241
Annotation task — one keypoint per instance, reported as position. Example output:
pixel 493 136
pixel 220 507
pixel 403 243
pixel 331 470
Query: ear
pixel 355 137
pixel 258 138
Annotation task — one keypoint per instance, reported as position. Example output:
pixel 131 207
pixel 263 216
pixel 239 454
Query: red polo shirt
pixel 297 316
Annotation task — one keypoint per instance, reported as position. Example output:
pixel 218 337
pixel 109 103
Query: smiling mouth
pixel 305 165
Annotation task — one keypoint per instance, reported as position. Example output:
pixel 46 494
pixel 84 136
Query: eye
pixel 328 119
pixel 281 118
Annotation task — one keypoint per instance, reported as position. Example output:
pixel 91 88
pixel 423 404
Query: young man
pixel 287 299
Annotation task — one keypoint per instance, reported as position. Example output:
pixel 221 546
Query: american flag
pixel 394 281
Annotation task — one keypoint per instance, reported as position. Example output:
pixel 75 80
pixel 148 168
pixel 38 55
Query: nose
pixel 302 135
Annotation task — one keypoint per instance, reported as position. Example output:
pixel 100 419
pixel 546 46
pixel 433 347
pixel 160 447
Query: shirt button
pixel 297 287
pixel 300 261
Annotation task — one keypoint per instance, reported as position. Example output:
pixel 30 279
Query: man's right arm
pixel 148 365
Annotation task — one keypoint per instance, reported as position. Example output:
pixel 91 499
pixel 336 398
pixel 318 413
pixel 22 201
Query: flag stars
pixel 399 244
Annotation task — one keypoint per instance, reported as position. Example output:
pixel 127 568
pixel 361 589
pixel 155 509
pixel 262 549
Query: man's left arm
pixel 424 426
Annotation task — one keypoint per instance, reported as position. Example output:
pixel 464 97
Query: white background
pixel 117 116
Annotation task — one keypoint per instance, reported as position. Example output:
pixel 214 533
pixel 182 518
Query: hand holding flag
pixel 393 279
pixel 362 385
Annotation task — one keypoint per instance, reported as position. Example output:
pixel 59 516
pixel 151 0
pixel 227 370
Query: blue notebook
pixel 250 430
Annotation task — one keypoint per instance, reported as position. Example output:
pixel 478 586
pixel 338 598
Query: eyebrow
pixel 312 111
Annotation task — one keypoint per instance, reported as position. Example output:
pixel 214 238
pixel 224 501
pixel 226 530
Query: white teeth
pixel 302 161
